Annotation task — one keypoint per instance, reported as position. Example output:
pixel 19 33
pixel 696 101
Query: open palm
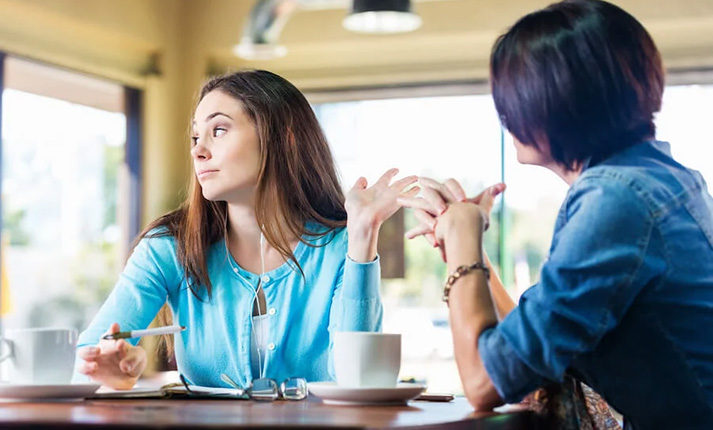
pixel 375 204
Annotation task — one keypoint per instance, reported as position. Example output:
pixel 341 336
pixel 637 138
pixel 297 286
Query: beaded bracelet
pixel 462 271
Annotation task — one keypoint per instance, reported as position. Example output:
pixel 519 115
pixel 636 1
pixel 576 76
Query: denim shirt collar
pixel 658 145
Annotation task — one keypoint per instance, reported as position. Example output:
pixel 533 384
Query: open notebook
pixel 173 390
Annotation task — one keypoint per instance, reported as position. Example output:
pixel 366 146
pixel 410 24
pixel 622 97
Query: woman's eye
pixel 194 140
pixel 219 131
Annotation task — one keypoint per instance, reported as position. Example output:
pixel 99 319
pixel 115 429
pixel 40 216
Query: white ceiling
pixel 453 45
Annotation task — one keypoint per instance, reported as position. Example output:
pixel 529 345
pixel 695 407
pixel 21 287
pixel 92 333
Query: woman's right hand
pixel 114 363
pixel 446 204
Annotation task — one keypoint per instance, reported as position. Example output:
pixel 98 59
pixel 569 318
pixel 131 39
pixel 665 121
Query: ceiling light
pixel 259 51
pixel 381 16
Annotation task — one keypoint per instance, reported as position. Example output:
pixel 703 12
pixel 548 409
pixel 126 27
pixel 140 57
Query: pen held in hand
pixel 141 333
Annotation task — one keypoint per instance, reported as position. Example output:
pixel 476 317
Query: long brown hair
pixel 297 181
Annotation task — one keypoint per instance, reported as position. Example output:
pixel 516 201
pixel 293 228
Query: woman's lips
pixel 204 173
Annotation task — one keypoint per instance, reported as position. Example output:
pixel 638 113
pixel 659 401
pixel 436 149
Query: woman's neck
pixel 242 224
pixel 244 241
pixel 567 175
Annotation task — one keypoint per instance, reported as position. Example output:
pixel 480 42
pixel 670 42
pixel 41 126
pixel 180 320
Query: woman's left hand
pixel 371 206
pixel 368 208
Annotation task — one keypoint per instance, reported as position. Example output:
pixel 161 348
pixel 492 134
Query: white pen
pixel 141 333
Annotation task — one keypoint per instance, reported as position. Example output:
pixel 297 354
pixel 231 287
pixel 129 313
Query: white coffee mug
pixel 39 356
pixel 366 360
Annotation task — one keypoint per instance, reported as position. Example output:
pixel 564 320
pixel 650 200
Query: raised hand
pixel 448 198
pixel 114 363
pixel 368 208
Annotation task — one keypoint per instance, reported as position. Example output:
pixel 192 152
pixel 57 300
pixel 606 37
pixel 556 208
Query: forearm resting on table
pixel 471 312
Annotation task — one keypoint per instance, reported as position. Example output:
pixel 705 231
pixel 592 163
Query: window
pixel 684 122
pixel 65 194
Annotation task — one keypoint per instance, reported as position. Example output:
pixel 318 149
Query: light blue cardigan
pixel 335 294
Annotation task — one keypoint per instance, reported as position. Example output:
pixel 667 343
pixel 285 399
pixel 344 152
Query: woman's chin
pixel 212 196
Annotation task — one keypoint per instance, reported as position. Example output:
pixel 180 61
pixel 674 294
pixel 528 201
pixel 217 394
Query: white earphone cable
pixel 256 298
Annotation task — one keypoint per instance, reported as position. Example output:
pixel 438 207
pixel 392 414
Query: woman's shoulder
pixel 319 235
pixel 609 188
pixel 646 173
pixel 158 243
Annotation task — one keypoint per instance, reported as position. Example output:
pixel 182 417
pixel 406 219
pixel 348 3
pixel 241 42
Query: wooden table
pixel 223 414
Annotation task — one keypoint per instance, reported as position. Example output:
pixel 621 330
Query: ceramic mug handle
pixel 7 354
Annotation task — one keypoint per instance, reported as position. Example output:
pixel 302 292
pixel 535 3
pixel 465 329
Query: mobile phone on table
pixel 436 397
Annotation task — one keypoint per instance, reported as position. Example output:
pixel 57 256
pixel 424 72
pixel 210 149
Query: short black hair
pixel 582 75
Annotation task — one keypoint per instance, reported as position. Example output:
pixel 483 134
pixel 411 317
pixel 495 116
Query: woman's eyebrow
pixel 213 115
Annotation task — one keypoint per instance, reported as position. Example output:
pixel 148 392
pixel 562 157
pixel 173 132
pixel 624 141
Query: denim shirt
pixel 625 300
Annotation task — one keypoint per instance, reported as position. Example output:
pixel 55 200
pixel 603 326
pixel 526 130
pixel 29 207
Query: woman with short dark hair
pixel 625 298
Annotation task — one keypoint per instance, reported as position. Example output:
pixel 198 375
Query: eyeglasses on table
pixel 265 389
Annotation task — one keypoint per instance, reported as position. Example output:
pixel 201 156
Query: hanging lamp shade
pixel 381 16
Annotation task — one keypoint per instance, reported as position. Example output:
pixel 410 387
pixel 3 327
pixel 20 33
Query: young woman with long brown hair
pixel 264 260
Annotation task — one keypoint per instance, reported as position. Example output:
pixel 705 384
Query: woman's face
pixel 225 148
pixel 530 154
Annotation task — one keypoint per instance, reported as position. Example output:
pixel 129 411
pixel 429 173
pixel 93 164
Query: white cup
pixel 39 356
pixel 366 360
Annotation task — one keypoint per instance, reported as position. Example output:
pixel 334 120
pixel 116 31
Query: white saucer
pixel 65 391
pixel 333 394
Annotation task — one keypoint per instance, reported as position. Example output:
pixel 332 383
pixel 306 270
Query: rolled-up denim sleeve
pixel 512 378
pixel 597 266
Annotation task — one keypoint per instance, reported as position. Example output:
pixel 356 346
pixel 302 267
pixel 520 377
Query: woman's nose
pixel 200 152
